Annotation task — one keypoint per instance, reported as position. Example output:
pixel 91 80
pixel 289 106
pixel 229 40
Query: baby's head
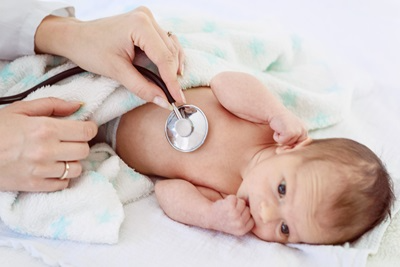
pixel 326 191
pixel 363 193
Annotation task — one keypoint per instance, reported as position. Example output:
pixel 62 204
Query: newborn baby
pixel 257 170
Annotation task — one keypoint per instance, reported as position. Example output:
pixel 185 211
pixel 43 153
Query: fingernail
pixel 182 69
pixel 183 97
pixel 81 103
pixel 161 102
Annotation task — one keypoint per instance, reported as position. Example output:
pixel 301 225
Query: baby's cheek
pixel 264 212
pixel 264 232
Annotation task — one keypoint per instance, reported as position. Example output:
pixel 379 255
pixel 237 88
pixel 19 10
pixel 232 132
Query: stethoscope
pixel 186 127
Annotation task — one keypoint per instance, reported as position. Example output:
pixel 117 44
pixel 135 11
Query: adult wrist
pixel 55 35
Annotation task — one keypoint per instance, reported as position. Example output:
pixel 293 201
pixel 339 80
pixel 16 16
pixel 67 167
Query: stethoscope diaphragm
pixel 186 127
pixel 189 132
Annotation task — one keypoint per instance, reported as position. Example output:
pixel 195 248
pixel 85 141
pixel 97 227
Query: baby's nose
pixel 268 212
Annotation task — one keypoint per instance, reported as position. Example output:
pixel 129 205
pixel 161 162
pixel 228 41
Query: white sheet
pixel 364 33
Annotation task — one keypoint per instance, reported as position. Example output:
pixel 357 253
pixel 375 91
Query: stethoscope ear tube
pixel 76 70
pixel 52 80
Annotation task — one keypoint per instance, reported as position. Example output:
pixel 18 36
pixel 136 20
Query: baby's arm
pixel 203 207
pixel 247 98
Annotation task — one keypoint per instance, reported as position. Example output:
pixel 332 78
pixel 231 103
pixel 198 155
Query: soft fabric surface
pixel 91 209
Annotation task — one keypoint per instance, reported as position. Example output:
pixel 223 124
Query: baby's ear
pixel 288 148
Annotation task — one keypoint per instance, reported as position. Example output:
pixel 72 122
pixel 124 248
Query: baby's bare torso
pixel 230 145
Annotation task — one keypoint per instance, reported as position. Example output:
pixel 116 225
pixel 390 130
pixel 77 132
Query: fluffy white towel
pixel 91 210
pixel 309 83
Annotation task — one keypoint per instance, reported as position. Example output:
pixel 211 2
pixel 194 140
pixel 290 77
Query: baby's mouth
pixel 244 197
pixel 247 201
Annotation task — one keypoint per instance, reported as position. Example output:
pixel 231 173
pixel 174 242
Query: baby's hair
pixel 365 194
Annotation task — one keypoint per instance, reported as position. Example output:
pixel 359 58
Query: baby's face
pixel 286 197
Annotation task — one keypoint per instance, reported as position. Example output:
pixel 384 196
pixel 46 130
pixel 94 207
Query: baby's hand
pixel 288 129
pixel 231 215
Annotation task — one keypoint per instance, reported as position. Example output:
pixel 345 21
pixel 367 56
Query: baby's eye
pixel 282 188
pixel 285 229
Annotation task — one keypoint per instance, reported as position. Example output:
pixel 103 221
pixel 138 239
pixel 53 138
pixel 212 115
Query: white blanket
pixel 306 82
pixel 91 209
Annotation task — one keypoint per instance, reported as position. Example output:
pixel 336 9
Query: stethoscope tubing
pixel 50 81
pixel 76 70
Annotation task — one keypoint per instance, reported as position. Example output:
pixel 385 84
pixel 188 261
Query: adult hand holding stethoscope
pixel 36 150
pixel 107 47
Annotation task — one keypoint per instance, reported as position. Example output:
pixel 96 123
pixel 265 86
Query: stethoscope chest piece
pixel 187 130
pixel 186 127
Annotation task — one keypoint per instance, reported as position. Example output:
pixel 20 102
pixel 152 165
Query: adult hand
pixel 107 47
pixel 34 146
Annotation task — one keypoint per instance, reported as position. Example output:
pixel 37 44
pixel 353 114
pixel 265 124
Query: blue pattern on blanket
pixel 6 74
pixel 289 98
pixel 307 82
pixel 105 217
pixel 60 228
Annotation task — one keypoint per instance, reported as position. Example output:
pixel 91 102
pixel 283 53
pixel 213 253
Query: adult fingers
pixel 75 131
pixel 69 169
pixel 45 185
pixel 130 77
pixel 58 169
pixel 181 53
pixel 70 151
pixel 169 39
pixel 49 106
pixel 170 80
pixel 159 52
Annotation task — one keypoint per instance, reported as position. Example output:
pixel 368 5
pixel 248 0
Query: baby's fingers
pixel 284 139
pixel 291 138
pixel 247 219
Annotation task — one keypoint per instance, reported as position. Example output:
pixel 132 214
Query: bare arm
pixel 247 98
pixel 203 207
